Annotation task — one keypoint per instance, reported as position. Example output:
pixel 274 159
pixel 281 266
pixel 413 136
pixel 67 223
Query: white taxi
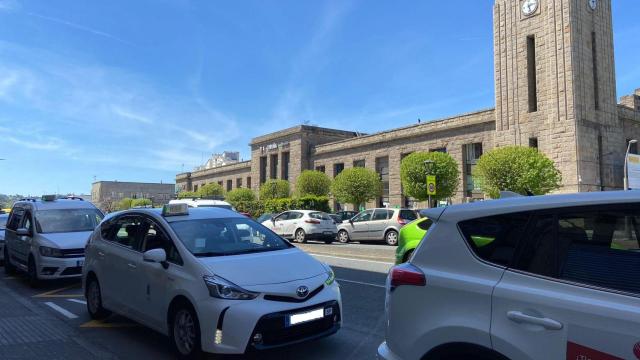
pixel 209 278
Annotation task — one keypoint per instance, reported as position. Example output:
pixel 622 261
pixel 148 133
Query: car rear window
pixel 495 238
pixel 425 224
pixel 408 215
pixel 320 216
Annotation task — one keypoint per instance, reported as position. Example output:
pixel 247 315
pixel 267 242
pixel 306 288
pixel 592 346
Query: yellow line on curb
pixel 54 293
pixel 103 324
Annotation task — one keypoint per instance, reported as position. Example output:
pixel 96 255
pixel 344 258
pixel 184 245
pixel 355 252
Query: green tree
pixel 125 204
pixel 241 194
pixel 141 202
pixel 211 189
pixel 356 186
pixel 187 195
pixel 516 168
pixel 311 182
pixel 414 171
pixel 274 189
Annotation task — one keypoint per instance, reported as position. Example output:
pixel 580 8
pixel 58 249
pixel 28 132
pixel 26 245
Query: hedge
pixel 274 206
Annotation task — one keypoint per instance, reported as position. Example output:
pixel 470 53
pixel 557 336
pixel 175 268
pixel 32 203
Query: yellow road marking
pixel 106 324
pixel 54 293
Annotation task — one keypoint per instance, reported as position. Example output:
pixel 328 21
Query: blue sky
pixel 132 90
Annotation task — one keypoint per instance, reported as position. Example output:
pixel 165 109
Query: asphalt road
pixel 360 270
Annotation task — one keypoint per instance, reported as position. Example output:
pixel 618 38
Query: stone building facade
pixel 106 194
pixel 555 90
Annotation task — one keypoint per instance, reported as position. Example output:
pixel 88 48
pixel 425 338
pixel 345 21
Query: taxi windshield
pixel 226 236
pixel 67 220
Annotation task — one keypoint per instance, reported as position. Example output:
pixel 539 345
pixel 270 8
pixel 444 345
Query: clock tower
pixel 555 87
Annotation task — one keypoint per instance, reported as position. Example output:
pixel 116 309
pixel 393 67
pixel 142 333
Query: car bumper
pixel 58 268
pixel 321 236
pixel 384 353
pixel 230 327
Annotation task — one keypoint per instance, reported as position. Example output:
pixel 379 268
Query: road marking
pixel 360 283
pixel 61 310
pixel 352 259
pixel 105 324
pixel 54 293
pixel 78 301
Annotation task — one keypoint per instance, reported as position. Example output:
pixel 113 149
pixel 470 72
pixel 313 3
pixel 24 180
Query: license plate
pixel 80 263
pixel 328 232
pixel 305 317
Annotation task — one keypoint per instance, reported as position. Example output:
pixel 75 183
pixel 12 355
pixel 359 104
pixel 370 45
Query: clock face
pixel 529 7
pixel 593 4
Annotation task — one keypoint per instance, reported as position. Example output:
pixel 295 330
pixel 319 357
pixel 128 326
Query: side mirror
pixel 273 219
pixel 155 256
pixel 351 221
pixel 23 232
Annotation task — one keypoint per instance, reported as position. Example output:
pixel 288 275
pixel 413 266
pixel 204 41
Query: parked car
pixel 264 217
pixel 336 218
pixel 376 224
pixel 3 224
pixel 410 236
pixel 543 277
pixel 210 279
pixel 303 225
pixel 46 238
pixel 345 215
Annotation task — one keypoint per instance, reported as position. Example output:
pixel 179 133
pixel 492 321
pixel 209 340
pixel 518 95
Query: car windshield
pixel 226 236
pixel 67 220
pixel 3 221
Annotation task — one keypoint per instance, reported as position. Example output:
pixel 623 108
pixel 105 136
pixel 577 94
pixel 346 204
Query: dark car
pixel 345 215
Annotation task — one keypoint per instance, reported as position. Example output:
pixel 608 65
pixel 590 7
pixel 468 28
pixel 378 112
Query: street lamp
pixel 626 161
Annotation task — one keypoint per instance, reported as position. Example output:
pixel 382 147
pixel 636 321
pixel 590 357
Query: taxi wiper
pixel 256 250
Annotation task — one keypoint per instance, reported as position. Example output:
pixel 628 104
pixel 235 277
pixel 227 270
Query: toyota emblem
pixel 302 291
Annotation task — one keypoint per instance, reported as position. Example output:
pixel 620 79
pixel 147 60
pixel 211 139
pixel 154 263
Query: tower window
pixel 594 58
pixel 531 74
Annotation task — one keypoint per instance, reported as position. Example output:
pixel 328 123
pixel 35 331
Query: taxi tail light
pixel 402 221
pixel 312 221
pixel 406 274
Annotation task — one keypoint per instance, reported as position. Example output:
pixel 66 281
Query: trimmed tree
pixel 356 186
pixel 240 195
pixel 414 171
pixel 274 189
pixel 311 182
pixel 140 202
pixel 516 168
pixel 211 189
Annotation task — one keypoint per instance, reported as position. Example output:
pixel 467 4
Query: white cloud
pixel 9 5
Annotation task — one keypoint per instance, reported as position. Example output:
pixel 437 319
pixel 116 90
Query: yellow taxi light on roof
pixel 175 209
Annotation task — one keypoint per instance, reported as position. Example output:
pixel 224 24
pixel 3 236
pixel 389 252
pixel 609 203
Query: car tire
pixel 343 236
pixel 300 236
pixel 32 273
pixel 407 255
pixel 9 269
pixel 184 331
pixel 391 238
pixel 94 300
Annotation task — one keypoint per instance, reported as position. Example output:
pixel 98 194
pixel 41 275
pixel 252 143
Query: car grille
pixel 294 299
pixel 275 333
pixel 71 253
pixel 75 270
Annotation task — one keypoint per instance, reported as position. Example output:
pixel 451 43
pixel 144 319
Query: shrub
pixel 187 195
pixel 211 189
pixel 311 182
pixel 240 194
pixel 356 186
pixel 141 202
pixel 125 204
pixel 516 168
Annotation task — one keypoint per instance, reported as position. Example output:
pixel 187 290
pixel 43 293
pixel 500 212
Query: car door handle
pixel 519 317
pixel 132 266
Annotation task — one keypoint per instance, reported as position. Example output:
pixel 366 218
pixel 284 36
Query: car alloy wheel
pixel 185 332
pixel 32 272
pixel 343 236
pixel 94 300
pixel 9 269
pixel 391 237
pixel 300 236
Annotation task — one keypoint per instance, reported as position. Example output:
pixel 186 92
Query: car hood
pixel 271 267
pixel 72 240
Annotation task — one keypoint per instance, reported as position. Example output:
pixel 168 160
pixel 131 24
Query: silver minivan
pixel 46 238
pixel 376 224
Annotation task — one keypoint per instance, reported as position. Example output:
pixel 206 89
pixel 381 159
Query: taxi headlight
pixel 49 251
pixel 225 289
pixel 331 276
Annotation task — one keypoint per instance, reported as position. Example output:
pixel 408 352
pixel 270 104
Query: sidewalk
pixel 28 331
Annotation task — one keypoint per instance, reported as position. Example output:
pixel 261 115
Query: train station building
pixel 555 89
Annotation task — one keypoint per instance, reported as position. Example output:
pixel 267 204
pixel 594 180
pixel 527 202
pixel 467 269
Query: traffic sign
pixel 431 185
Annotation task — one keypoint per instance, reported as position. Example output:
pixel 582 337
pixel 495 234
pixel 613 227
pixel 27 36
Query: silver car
pixel 376 224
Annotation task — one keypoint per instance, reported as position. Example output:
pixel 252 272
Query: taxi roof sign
pixel 175 209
